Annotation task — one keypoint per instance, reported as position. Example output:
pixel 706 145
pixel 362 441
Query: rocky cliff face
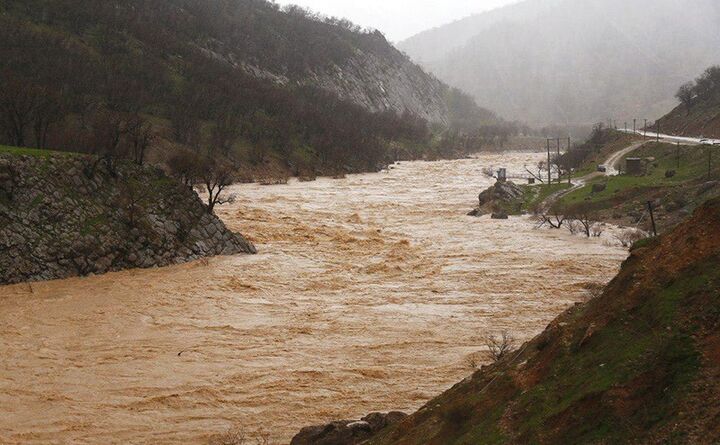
pixel 375 75
pixel 386 83
pixel 63 216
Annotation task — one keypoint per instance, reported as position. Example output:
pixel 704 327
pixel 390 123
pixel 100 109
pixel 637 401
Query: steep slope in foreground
pixel 583 61
pixel 638 364
pixel 67 215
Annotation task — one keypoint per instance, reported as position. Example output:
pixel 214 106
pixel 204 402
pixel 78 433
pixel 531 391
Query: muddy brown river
pixel 368 294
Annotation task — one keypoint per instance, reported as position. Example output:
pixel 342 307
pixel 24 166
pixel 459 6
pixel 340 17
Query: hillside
pixel 640 363
pixel 240 77
pixel 575 61
pixel 699 110
pixel 64 215
pixel 434 44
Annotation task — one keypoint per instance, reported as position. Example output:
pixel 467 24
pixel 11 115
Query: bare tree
pixel 553 220
pixel 215 176
pixel 686 95
pixel 232 437
pixel 584 216
pixel 131 200
pixel 499 346
pixel 18 105
pixel 185 166
pixel 141 136
pixel 225 132
pixel 629 237
pixel 572 226
pixel 107 129
pixel 50 111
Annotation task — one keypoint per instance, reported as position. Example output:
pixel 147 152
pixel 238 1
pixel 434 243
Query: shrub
pixel 629 237
pixel 500 346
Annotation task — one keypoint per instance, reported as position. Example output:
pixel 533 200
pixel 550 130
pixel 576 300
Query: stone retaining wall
pixel 69 215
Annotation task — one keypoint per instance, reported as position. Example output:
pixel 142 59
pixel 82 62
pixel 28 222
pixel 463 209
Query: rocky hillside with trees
pixel 65 215
pixel 699 111
pixel 240 79
pixel 638 363
pixel 575 61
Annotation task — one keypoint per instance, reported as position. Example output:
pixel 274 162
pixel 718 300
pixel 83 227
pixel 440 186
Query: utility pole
pixel 652 217
pixel 569 169
pixel 557 161
pixel 634 126
pixel 548 165
pixel 645 130
pixel 625 126
pixel 709 149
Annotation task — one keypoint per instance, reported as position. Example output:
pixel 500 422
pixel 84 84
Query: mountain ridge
pixel 579 61
pixel 278 89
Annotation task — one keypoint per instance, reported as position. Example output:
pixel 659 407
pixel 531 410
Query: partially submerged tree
pixel 583 216
pixel 629 237
pixel 554 217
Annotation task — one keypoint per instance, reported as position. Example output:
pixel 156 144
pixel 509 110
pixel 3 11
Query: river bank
pixel 369 293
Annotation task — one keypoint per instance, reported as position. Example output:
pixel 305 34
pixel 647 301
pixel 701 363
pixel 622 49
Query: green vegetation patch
pixel 666 166
pixel 536 194
pixel 36 152
pixel 619 369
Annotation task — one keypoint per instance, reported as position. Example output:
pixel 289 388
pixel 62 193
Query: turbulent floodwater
pixel 368 294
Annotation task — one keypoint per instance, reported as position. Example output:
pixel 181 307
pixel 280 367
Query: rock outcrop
pixel 501 199
pixel 347 432
pixel 69 215
pixel 387 81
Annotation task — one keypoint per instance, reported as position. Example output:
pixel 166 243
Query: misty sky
pixel 399 19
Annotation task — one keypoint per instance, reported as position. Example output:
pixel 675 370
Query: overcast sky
pixel 399 19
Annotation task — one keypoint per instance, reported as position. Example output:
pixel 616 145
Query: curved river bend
pixel 368 294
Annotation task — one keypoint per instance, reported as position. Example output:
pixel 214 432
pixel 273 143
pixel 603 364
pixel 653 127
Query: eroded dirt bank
pixel 368 294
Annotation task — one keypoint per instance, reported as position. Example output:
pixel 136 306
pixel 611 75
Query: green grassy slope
pixel 690 164
pixel 638 364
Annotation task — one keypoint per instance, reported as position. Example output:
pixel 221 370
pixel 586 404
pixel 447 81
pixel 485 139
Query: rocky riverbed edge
pixel 71 215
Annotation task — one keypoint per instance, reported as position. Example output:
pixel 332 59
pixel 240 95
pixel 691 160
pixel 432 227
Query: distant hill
pixel 699 111
pixel 577 61
pixel 434 44
pixel 233 75
pixel 639 363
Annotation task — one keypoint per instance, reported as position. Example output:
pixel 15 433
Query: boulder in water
pixel 499 198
